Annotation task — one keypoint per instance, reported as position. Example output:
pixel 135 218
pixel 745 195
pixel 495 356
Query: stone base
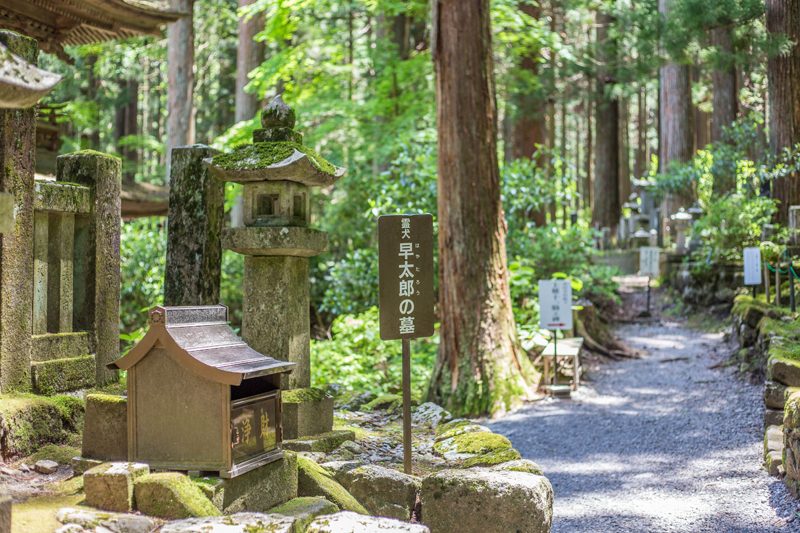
pixel 110 485
pixel 258 490
pixel 81 464
pixel 105 429
pixel 306 412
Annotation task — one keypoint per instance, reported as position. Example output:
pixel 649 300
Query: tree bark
pixel 723 81
pixel 249 55
pixel 624 152
pixel 606 209
pixel 783 17
pixel 480 368
pixel 180 79
pixel 674 124
pixel 641 163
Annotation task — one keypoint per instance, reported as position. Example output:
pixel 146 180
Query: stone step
pixel 61 375
pixel 52 346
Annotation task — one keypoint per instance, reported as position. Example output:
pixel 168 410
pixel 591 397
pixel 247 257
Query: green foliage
pixel 730 224
pixel 357 359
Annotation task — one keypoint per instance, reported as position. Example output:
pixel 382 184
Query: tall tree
pixel 180 78
pixel 528 127
pixel 723 80
pixel 606 210
pixel 783 74
pixel 480 367
pixel 675 133
pixel 249 54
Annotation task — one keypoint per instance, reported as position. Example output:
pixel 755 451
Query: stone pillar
pixel 60 272
pixel 196 211
pixel 275 312
pixel 98 242
pixel 17 159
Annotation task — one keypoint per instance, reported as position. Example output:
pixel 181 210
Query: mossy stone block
pixel 81 464
pixel 325 442
pixel 774 394
pixel 61 375
pixel 303 510
pixel 258 490
pixel 171 495
pixel 474 443
pixel 773 417
pixel 109 486
pixel 105 431
pixel 348 522
pixel 485 501
pixel 520 465
pixel 306 412
pixel 383 491
pixel 314 480
pixel 492 458
pixel 784 371
pixel 385 402
pixel 28 422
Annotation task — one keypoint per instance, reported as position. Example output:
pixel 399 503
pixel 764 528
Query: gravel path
pixel 662 443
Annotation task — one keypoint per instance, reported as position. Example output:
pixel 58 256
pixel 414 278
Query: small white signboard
pixel 649 261
pixel 752 266
pixel 555 304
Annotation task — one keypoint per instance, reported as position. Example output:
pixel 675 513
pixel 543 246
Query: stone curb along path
pixel 661 443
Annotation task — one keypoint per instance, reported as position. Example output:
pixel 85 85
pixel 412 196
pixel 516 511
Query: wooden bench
pixel 568 349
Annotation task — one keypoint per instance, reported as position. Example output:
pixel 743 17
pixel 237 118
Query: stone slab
pixel 96 521
pixel 60 345
pixel 349 522
pixel 314 480
pixel 383 491
pixel 306 417
pixel 325 442
pixel 235 523
pixel 5 511
pixel 62 197
pixel 110 485
pixel 784 371
pixel 774 394
pixel 774 463
pixel 303 510
pixel 270 241
pixel 258 490
pixel 81 464
pixel 105 428
pixel 171 495
pixel 483 501
pixel 773 417
pixel 61 375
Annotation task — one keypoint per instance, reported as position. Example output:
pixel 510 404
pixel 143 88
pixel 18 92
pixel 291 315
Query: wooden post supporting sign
pixel 405 268
pixel 649 265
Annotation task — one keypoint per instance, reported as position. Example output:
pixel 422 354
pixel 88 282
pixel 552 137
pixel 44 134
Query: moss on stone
pixel 314 480
pixel 92 152
pixel 310 394
pixel 492 458
pixel 60 375
pixel 785 350
pixel 28 422
pixel 304 510
pixel 385 402
pixel 453 424
pixel 476 442
pixel 264 154
pixel 171 495
pixel 62 454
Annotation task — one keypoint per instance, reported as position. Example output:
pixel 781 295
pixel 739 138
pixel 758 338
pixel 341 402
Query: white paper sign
pixel 649 261
pixel 555 304
pixel 752 266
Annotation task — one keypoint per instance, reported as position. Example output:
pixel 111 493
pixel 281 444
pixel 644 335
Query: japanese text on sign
pixel 752 266
pixel 406 276
pixel 555 304
pixel 649 257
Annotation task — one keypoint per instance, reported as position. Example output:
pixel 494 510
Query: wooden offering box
pixel 199 398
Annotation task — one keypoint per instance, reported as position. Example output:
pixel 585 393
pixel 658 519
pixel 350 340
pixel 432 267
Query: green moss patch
pixel 476 443
pixel 310 394
pixel 453 424
pixel 28 422
pixel 314 480
pixel 171 495
pixel 60 375
pixel 492 458
pixel 62 454
pixel 385 402
pixel 264 154
pixel 304 510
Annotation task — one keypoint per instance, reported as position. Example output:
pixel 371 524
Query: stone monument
pixel 277 172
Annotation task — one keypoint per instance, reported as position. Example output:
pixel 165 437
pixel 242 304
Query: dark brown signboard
pixel 405 266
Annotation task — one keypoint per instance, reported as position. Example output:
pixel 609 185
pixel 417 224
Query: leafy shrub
pixel 357 359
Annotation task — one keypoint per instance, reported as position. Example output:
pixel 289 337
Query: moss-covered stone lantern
pixel 277 172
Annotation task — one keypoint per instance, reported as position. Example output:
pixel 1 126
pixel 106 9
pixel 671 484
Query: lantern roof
pixel 277 154
pixel 56 23
pixel 22 84
pixel 200 339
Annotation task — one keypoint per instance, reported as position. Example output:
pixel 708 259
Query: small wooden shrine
pixel 199 398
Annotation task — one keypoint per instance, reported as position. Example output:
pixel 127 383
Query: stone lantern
pixel 277 172
pixel 681 220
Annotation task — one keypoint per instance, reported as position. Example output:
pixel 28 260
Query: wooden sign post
pixel 405 269
pixel 752 267
pixel 555 313
pixel 649 265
